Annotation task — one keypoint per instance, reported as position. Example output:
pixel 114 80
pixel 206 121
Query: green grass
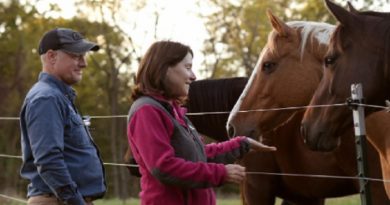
pixel 351 200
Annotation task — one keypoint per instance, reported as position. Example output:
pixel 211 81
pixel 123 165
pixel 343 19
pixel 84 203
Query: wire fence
pixel 242 111
pixel 387 108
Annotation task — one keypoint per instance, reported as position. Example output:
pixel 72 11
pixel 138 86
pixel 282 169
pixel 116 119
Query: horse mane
pixel 213 95
pixel 308 30
pixel 375 13
pixel 385 18
pixel 219 93
pixel 387 52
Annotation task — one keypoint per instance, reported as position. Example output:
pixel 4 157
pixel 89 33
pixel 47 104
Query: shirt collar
pixel 67 90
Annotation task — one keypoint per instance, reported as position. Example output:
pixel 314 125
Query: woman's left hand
pixel 258 146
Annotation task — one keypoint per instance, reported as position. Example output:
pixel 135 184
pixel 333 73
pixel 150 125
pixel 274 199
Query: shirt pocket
pixel 78 132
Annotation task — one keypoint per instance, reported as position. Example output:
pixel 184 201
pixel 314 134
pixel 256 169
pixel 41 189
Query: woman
pixel 176 167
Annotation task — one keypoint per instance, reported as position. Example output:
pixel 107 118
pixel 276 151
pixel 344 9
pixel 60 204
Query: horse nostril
pixel 231 131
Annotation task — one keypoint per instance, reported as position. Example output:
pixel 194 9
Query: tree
pixel 238 30
pixel 237 33
pixel 111 74
pixel 19 65
pixel 104 84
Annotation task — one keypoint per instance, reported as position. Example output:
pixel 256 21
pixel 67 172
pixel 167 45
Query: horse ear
pixel 341 14
pixel 351 8
pixel 281 28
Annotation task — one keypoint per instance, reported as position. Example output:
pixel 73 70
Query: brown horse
pixel 286 76
pixel 213 95
pixel 378 134
pixel 359 52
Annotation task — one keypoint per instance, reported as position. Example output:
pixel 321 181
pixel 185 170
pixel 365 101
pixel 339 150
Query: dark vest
pixel 185 141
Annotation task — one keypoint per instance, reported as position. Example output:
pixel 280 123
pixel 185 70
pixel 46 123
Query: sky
pixel 178 21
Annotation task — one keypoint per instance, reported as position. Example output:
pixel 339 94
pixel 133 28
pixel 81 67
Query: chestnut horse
pixel 286 76
pixel 358 53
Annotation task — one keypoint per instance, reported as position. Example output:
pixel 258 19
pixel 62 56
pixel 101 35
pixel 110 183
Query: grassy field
pixel 352 200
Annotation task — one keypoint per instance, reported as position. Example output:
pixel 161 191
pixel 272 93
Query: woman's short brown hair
pixel 154 65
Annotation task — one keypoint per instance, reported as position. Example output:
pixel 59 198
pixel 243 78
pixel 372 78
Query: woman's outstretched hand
pixel 235 173
pixel 258 146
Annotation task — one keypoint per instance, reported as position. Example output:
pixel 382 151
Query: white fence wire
pixel 227 112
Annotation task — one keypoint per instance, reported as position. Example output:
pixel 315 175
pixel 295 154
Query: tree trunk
pixel 114 133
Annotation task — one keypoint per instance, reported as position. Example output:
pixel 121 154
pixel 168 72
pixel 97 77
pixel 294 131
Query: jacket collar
pixel 174 106
pixel 67 90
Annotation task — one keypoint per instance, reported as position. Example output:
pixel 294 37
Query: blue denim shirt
pixel 59 156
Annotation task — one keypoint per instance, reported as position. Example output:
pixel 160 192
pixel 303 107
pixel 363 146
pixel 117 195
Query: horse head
pixel 358 53
pixel 287 73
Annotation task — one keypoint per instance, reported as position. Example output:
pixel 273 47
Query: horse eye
pixel 329 60
pixel 268 67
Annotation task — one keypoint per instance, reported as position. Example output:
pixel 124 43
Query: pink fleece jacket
pixel 149 132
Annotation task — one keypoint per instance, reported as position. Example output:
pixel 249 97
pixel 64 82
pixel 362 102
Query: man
pixel 59 156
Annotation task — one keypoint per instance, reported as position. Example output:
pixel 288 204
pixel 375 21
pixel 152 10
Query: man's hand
pixel 258 146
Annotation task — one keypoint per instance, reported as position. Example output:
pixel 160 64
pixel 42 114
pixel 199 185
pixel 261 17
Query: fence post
pixel 360 140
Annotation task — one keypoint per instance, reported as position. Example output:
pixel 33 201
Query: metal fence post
pixel 360 140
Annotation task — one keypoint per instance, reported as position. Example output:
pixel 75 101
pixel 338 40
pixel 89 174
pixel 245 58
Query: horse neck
pixel 293 122
pixel 378 132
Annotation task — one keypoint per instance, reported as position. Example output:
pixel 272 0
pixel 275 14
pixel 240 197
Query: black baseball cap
pixel 65 39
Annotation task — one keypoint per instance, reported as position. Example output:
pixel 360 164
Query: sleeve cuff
pixel 69 195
